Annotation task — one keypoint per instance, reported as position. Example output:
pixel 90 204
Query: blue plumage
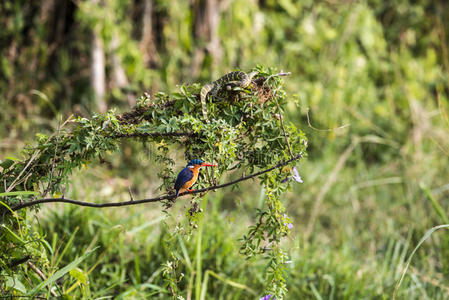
pixel 195 162
pixel 185 175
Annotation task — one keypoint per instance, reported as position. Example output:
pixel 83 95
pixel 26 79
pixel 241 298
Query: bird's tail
pixel 177 192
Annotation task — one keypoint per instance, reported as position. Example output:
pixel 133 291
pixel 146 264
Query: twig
pixel 258 225
pixel 53 161
pixel 41 275
pixel 283 129
pixel 130 194
pixel 283 74
pixel 330 129
pixel 265 79
pixel 155 199
pixel 18 180
pixel 149 134
pixel 278 75
pixel 14 183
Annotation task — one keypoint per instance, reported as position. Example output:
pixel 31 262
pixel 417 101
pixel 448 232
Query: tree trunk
pixel 97 69
pixel 147 43
pixel 119 78
pixel 213 47
pixel 97 74
pixel 207 20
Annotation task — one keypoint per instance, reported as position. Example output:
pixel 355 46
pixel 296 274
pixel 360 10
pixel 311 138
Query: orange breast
pixel 192 181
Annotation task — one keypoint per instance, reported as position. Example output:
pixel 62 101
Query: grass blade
pixel 423 239
pixel 100 258
pixel 69 243
pixel 436 206
pixel 232 283
pixel 58 274
pixel 18 193
pixel 204 286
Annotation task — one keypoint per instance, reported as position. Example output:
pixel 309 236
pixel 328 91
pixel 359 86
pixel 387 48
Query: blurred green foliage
pixel 370 81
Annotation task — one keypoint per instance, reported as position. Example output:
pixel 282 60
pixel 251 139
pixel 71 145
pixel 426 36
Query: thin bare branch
pixel 41 275
pixel 149 134
pixel 283 74
pixel 283 129
pixel 155 199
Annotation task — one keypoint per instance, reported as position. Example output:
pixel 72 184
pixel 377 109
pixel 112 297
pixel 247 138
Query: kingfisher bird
pixel 188 176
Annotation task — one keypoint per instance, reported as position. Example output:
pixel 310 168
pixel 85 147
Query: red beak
pixel 207 165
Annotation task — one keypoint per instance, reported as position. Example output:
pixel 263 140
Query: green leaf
pixel 7 163
pixel 12 237
pixel 14 283
pixel 79 274
pixel 12 158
